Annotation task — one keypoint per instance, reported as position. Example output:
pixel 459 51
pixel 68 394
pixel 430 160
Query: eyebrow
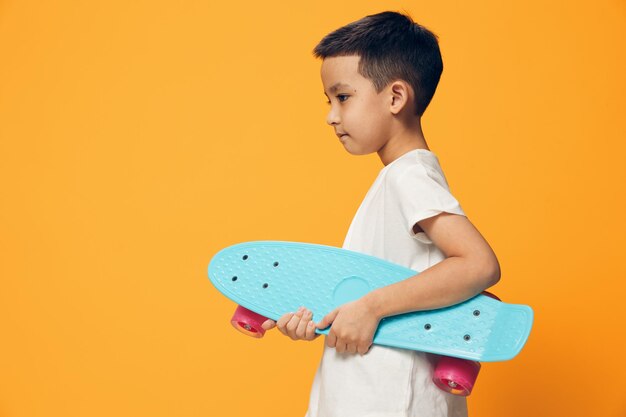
pixel 336 86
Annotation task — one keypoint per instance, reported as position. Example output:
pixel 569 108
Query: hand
pixel 353 327
pixel 298 326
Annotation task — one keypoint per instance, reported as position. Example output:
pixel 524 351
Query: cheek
pixel 359 116
pixel 373 124
pixel 365 121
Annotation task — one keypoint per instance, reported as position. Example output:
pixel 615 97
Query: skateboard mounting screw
pixel 234 278
pixel 427 326
pixel 476 313
pixel 467 337
pixel 245 257
pixel 265 285
pixel 275 263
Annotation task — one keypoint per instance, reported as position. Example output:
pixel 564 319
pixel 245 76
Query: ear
pixel 401 95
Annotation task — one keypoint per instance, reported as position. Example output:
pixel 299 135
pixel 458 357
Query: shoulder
pixel 424 169
pixel 412 173
pixel 406 167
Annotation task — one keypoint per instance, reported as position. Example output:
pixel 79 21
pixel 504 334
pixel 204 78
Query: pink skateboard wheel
pixel 248 322
pixel 456 376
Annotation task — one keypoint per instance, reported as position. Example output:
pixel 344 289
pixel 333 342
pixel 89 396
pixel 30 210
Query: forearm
pixel 451 281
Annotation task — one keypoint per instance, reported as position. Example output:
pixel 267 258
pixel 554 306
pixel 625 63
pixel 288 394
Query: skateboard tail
pixel 509 333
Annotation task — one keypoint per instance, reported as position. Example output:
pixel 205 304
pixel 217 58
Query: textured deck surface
pixel 276 277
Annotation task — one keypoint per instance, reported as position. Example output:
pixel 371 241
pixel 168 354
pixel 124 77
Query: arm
pixel 470 267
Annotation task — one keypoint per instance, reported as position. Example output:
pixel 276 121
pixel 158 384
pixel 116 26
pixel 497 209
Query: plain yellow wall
pixel 139 138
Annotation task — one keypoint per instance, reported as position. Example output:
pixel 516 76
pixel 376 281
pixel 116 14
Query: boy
pixel 380 74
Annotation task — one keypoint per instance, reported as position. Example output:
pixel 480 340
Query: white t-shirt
pixel 391 382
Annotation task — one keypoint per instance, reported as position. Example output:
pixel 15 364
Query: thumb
pixel 327 320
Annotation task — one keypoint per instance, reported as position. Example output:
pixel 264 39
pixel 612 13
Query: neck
pixel 404 139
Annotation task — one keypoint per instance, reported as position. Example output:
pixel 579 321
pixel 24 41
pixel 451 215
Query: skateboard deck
pixel 272 278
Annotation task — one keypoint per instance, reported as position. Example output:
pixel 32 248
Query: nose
pixel 333 117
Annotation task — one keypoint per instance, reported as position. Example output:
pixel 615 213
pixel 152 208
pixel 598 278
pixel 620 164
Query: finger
pixel 310 331
pixel 282 322
pixel 341 347
pixel 302 326
pixel 292 325
pixel 328 319
pixel 331 339
pixel 351 348
pixel 363 349
pixel 268 324
pixel 284 319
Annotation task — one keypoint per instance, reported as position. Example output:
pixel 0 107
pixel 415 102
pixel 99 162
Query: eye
pixel 339 96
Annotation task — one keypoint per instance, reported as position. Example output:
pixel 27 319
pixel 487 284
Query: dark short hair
pixel 391 46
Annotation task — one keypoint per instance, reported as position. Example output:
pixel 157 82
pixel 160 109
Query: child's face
pixel 355 107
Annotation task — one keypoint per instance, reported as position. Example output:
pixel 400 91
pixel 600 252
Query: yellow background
pixel 139 138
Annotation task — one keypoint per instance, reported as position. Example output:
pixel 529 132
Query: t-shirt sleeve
pixel 419 194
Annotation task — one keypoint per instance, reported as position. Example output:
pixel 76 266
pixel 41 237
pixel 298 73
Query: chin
pixel 356 151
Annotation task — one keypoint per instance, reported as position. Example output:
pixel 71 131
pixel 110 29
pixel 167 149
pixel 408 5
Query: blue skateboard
pixel 270 278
